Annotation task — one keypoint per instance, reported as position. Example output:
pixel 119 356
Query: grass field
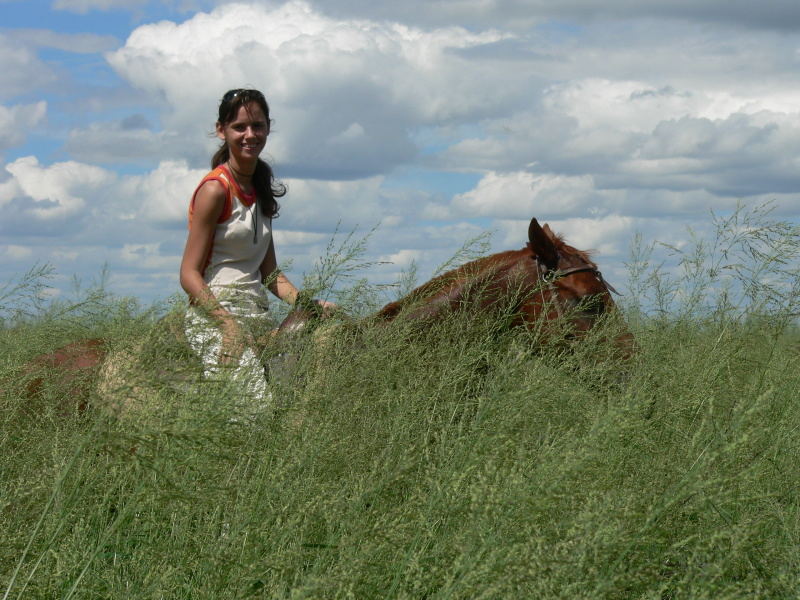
pixel 459 462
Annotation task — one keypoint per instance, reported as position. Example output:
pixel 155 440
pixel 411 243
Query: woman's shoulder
pixel 212 197
pixel 216 179
pixel 212 188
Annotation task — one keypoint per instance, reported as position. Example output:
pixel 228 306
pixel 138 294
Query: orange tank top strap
pixel 221 175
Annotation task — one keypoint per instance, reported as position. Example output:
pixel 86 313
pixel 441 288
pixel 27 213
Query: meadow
pixel 459 461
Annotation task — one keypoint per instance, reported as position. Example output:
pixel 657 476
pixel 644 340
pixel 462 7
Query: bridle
pixel 549 276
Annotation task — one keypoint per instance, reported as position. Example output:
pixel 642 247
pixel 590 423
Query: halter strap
pixel 551 275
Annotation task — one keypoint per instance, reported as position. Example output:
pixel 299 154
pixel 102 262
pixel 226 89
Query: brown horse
pixel 547 281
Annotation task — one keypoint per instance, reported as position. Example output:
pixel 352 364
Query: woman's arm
pixel 208 205
pixel 278 283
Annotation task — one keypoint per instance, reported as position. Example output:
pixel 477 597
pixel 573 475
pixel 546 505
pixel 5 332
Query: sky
pixel 424 122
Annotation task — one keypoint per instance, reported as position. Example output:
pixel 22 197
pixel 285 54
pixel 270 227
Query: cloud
pixel 345 95
pixel 403 258
pixel 17 121
pixel 161 196
pixel 15 253
pixel 113 142
pixel 22 70
pixel 602 235
pixel 523 194
pixel 25 72
pixel 284 238
pixel 522 14
pixel 354 98
pixel 147 256
pixel 314 205
pixel 627 135
pixel 159 199
pixel 80 216
pixel 56 191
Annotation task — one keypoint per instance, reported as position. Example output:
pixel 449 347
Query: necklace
pixel 239 173
pixel 240 177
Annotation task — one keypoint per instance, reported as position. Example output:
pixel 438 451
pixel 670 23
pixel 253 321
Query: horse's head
pixel 568 284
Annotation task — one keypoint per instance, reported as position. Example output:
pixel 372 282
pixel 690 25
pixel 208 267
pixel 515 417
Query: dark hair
pixel 264 184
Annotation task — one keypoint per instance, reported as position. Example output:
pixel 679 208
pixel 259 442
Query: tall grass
pixel 454 461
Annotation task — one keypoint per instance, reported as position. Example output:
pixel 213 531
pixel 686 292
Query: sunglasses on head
pixel 231 95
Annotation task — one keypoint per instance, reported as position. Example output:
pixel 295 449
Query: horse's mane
pixel 565 248
pixel 463 274
pixel 498 259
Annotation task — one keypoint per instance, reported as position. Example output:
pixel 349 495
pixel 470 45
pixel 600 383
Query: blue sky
pixel 435 121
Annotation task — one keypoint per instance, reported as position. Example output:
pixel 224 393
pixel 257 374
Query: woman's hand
pixel 328 308
pixel 234 340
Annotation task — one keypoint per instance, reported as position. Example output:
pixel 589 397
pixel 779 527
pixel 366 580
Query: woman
pixel 229 251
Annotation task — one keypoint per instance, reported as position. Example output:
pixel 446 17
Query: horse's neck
pixel 454 284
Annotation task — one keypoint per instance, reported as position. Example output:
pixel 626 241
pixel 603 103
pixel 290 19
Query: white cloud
pixel 402 258
pixel 160 196
pixel 344 94
pixel 523 194
pixel 284 238
pixel 136 224
pixel 50 293
pixel 56 191
pixel 322 205
pixel 602 235
pixel 631 135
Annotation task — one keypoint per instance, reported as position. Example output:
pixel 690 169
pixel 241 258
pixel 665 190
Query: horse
pixel 547 281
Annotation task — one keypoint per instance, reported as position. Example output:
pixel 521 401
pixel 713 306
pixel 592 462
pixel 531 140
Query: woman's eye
pixel 255 127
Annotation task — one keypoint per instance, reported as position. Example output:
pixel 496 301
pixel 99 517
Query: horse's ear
pixel 542 244
pixel 548 231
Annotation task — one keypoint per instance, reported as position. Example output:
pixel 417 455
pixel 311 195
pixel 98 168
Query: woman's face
pixel 246 134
